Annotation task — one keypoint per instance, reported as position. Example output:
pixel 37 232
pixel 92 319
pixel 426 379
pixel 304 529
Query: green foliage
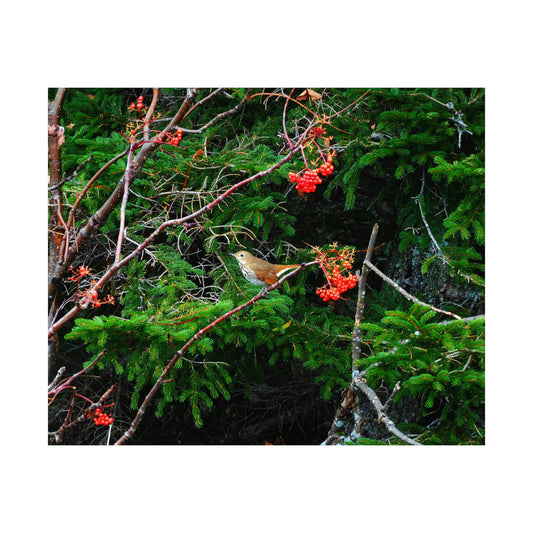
pixel 420 159
pixel 442 365
pixel 185 279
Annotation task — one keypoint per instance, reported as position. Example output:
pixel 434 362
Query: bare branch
pixel 72 176
pixel 380 409
pixel 60 372
pixel 348 411
pixel 356 335
pixel 125 194
pixel 150 114
pixel 220 116
pixel 55 390
pixel 403 292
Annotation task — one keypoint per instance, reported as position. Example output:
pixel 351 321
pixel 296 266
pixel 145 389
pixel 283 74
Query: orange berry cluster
pixel 139 105
pixel 101 418
pixel 334 268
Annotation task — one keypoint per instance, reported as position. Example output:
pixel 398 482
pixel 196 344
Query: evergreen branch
pixel 404 293
pixel 179 353
pixel 184 221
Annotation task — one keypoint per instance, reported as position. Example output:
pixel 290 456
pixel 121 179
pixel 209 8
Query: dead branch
pixel 58 434
pixel 150 114
pixel 348 414
pixel 403 292
pixel 356 335
pixel 380 410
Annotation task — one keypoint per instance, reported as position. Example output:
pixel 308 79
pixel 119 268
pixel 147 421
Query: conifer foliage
pixel 155 336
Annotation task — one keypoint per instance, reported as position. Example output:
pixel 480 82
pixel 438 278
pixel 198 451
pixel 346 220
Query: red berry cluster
pixel 92 297
pixel 334 267
pixel 306 182
pixel 79 272
pixel 101 418
pixel 337 285
pixel 172 138
pixel 139 105
pixel 327 167
pixel 318 131
pixel 310 178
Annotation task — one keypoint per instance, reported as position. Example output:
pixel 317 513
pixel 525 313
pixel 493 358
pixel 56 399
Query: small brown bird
pixel 258 271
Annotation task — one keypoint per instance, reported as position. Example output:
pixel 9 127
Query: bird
pixel 258 271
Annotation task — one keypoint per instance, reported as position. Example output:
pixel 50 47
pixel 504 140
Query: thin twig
pixel 72 176
pixel 220 116
pixel 125 195
pixel 202 101
pixel 428 229
pixel 55 390
pixel 466 319
pixel 394 392
pixel 283 121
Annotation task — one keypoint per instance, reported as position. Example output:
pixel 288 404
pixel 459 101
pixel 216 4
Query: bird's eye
pixel 241 255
